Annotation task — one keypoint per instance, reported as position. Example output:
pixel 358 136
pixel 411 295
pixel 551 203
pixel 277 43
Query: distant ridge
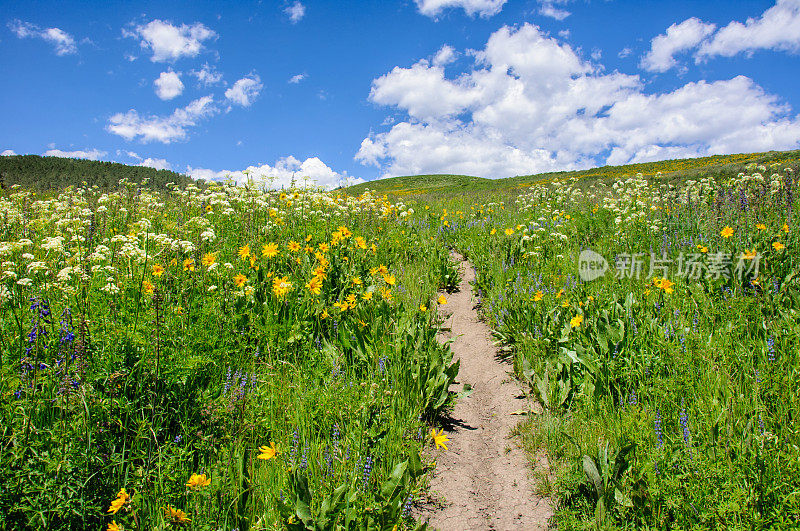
pixel 54 173
pixel 667 170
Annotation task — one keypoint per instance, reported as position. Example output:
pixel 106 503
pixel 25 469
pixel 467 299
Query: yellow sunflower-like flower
pixel 778 246
pixel 208 260
pixel 314 285
pixel 176 516
pixel 441 300
pixel 538 296
pixel 576 321
pixel 158 270
pixel 270 250
pixel 726 233
pixel 121 499
pixel 198 481
pixel 439 439
pixel 267 452
pixel 244 252
pixel 281 286
pixel 188 264
pixel 240 280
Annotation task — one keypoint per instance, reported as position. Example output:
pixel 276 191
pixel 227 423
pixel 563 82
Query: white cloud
pixel 92 154
pixel 778 28
pixel 296 12
pixel 297 78
pixel 8 153
pixel 168 42
pixel 548 9
pixel 63 42
pixel 678 38
pixel 163 129
pixel 281 174
pixel 159 164
pixel 625 52
pixel 484 8
pixel 531 103
pixel 168 85
pixel 207 75
pixel 245 91
pixel 446 55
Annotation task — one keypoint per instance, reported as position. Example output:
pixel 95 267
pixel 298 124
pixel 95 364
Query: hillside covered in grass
pixel 56 173
pixel 718 166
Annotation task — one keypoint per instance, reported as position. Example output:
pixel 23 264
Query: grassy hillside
pixel 668 170
pixel 56 173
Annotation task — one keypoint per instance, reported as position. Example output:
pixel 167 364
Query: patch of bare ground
pixel 484 480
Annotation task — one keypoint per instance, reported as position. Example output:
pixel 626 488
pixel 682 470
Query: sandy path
pixel 484 477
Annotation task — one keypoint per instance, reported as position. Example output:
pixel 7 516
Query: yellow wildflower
pixel 176 516
pixel 538 296
pixel 158 270
pixel 270 250
pixel 244 252
pixel 576 321
pixel 148 287
pixel 188 264
pixel 727 232
pixel 239 280
pixel 389 279
pixel 122 499
pixel 198 481
pixel 293 246
pixel 314 285
pixel 439 439
pixel 509 231
pixel 367 296
pixel 778 246
pixel 281 286
pixel 441 300
pixel 113 526
pixel 267 452
pixel 423 308
pixel 208 260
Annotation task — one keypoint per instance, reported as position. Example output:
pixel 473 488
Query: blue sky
pixel 360 90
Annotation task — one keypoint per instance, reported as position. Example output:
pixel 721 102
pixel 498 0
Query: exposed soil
pixel 483 480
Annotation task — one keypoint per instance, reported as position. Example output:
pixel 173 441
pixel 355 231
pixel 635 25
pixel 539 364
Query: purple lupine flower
pixel 658 430
pixel 687 436
pixel 367 471
pixel 771 348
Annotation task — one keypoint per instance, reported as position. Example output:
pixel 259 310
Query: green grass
pixel 445 186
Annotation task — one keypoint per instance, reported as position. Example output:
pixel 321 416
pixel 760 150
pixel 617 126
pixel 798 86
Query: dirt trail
pixel 484 477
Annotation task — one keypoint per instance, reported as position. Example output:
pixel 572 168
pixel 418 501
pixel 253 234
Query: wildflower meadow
pixel 230 357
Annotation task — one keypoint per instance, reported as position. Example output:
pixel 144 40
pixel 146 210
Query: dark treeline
pixel 44 174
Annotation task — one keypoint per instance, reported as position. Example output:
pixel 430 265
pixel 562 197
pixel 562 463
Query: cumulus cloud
pixel 446 55
pixel 778 28
pixel 297 78
pixel 281 174
pixel 159 164
pixel 168 85
pixel 295 11
pixel 530 103
pixel 8 153
pixel 62 41
pixel 207 75
pixel 92 154
pixel 678 38
pixel 548 9
pixel 164 129
pixel 483 8
pixel 245 91
pixel 168 42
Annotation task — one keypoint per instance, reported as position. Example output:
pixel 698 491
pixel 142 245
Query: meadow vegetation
pixel 236 358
